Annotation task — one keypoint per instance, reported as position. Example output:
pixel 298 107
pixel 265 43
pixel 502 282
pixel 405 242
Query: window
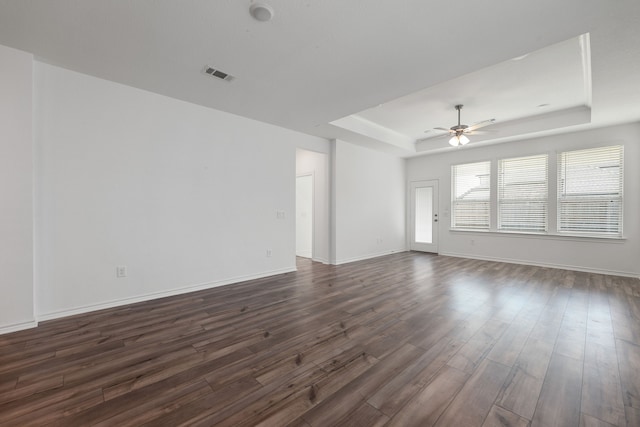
pixel 471 196
pixel 522 194
pixel 590 191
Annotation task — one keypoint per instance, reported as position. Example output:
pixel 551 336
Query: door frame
pixel 313 207
pixel 433 247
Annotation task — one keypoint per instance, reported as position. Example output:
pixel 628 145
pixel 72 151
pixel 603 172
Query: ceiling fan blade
pixel 443 129
pixel 480 132
pixel 434 136
pixel 481 124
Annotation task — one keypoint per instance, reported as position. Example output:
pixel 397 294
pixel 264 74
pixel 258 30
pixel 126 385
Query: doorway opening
pixel 312 206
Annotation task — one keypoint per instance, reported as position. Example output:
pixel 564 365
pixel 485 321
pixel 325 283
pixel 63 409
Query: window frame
pixel 553 226
pixel 455 202
pixel 562 198
pixel 504 201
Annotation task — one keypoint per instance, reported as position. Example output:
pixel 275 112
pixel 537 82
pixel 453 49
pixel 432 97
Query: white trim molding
pixel 369 256
pixel 15 327
pixel 542 264
pixel 156 295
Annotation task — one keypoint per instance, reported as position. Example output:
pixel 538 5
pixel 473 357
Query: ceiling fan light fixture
pixel 458 139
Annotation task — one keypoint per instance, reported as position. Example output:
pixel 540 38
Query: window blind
pixel 522 194
pixel 590 191
pixel 471 196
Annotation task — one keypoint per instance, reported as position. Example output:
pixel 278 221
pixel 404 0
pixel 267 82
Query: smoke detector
pixel 261 12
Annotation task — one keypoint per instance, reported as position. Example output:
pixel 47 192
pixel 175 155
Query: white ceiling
pixel 551 82
pixel 555 75
pixel 393 68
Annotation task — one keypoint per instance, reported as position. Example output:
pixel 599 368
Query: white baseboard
pixel 156 295
pixel 197 287
pixel 542 264
pixel 306 254
pixel 369 256
pixel 18 327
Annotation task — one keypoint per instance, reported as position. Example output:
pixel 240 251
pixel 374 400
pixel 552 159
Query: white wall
pixel 599 255
pixel 317 163
pixel 369 203
pixel 184 196
pixel 16 184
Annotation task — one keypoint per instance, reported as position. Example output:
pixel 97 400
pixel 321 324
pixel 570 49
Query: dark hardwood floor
pixel 409 339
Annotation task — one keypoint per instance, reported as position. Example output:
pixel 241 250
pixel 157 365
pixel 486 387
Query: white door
pixel 304 216
pixel 424 216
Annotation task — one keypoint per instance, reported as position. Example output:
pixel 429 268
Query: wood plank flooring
pixel 409 339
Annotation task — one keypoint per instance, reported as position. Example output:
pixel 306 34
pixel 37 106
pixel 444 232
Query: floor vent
pixel 217 73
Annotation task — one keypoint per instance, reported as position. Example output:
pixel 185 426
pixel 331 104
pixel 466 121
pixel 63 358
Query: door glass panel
pixel 423 214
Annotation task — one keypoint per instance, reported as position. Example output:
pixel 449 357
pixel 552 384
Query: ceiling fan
pixel 459 132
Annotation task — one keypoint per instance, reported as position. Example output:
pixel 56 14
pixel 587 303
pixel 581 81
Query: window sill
pixel 545 236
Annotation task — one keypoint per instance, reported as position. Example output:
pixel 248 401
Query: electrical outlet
pixel 280 215
pixel 121 271
pixel 269 253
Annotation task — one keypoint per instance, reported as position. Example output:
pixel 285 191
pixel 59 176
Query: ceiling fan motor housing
pixel 458 128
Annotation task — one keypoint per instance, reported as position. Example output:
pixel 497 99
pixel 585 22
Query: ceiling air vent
pixel 217 73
